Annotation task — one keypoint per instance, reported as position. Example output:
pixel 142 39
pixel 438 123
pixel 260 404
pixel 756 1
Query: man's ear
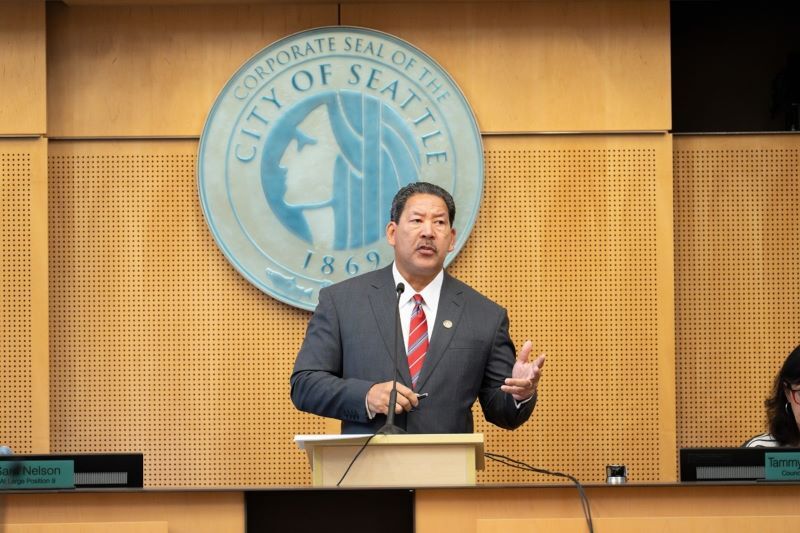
pixel 391 229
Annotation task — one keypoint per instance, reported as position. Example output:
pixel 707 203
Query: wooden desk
pixel 183 511
pixel 666 508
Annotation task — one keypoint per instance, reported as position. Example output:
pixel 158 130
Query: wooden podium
pixel 436 460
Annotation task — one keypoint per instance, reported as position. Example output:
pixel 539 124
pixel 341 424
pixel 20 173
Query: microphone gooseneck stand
pixel 389 428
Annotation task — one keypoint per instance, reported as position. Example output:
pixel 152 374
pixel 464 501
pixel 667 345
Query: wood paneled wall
pixel 24 396
pixel 159 345
pixel 524 66
pixel 575 238
pixel 106 80
pixel 737 278
pixel 156 344
pixel 564 66
pixel 24 400
pixel 23 72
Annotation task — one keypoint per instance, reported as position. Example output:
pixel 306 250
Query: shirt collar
pixel 430 293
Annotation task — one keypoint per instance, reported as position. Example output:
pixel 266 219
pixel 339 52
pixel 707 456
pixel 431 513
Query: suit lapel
pixel 451 304
pixel 384 305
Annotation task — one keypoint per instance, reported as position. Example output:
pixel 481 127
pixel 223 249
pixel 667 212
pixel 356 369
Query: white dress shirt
pixel 430 296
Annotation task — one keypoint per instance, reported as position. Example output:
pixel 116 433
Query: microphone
pixel 389 428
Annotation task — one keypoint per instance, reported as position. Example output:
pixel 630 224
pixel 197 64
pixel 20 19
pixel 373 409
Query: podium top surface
pixel 305 442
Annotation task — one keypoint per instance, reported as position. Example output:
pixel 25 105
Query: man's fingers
pixel 519 393
pixel 515 385
pixel 525 351
pixel 380 394
pixel 404 403
pixel 405 391
pixel 521 383
pixel 406 398
pixel 408 395
pixel 526 374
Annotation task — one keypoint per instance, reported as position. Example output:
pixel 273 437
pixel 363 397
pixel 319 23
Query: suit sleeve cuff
pixel 516 403
pixel 370 414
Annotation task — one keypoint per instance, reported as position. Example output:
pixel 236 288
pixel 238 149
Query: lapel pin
pixel 448 324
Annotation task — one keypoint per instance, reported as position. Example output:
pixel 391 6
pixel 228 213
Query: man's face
pixel 421 239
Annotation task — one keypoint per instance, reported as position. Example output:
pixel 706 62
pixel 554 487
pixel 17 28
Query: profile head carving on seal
pixel 374 154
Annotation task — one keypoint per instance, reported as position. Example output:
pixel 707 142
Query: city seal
pixel 308 142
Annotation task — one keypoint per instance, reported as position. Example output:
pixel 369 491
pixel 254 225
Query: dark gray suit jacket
pixel 348 348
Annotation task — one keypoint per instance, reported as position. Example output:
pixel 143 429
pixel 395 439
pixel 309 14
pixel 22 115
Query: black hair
pixel 420 187
pixel 782 425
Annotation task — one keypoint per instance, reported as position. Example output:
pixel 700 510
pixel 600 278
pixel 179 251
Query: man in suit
pixel 456 340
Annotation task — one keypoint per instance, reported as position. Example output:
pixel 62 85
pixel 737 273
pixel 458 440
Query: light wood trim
pixel 673 524
pixel 185 512
pixel 666 315
pixel 692 506
pixel 553 65
pixel 739 141
pixel 22 76
pixel 90 527
pixel 40 302
pixel 229 2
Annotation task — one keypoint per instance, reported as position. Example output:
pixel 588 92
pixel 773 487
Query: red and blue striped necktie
pixel 417 340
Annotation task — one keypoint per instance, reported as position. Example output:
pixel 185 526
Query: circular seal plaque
pixel 308 142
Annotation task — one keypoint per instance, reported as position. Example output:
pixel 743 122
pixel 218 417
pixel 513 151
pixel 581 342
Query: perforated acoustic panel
pixel 157 344
pixel 23 310
pixel 16 318
pixel 737 277
pixel 571 239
